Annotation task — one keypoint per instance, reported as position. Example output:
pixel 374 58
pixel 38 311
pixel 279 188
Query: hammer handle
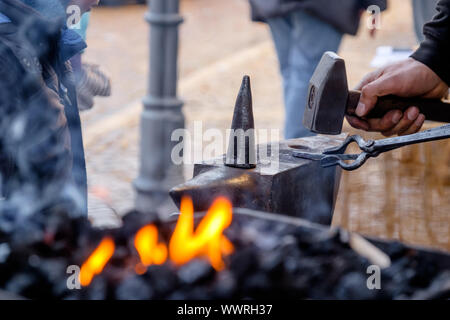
pixel 432 109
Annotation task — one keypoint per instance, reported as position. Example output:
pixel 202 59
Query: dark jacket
pixel 40 140
pixel 344 15
pixel 434 51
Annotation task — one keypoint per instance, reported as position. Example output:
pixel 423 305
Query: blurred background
pixel 401 195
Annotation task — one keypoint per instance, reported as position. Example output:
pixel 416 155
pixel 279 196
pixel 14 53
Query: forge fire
pixel 185 244
pixel 223 253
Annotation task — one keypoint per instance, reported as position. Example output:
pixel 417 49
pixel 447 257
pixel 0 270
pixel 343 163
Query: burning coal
pixel 215 256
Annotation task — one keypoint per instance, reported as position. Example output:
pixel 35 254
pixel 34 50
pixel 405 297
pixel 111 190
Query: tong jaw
pixel 336 156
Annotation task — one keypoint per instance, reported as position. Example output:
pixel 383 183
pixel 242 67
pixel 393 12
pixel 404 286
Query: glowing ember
pixel 208 240
pixel 96 261
pixel 146 244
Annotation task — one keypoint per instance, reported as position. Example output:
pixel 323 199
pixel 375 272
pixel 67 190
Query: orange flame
pixel 208 240
pixel 96 261
pixel 186 244
pixel 146 244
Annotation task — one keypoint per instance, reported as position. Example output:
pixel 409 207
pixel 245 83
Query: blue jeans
pixel 300 40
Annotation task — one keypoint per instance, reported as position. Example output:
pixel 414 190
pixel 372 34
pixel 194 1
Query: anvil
pixel 284 184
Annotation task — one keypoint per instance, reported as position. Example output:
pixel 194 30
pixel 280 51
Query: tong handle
pixel 373 148
pixel 438 133
pixel 432 109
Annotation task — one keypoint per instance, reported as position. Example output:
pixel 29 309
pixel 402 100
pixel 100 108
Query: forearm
pixel 434 51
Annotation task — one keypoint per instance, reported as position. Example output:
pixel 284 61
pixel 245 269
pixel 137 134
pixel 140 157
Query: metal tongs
pixel 371 148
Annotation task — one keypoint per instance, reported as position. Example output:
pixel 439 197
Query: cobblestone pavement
pixel 218 45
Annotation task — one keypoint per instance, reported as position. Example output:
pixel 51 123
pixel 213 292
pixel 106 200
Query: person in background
pixel 84 23
pixel 423 11
pixel 425 74
pixel 41 141
pixel 90 80
pixel 302 31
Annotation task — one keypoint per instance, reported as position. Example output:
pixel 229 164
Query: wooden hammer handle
pixel 432 109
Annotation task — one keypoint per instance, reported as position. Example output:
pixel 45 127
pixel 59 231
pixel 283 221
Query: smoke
pixel 35 153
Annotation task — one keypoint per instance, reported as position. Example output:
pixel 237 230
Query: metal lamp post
pixel 162 111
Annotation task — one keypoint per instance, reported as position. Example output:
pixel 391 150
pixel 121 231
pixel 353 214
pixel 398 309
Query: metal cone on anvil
pixel 241 149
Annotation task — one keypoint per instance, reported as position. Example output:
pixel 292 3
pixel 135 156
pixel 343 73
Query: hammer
pixel 329 99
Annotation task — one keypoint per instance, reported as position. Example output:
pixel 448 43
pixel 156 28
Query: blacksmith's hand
pixel 409 78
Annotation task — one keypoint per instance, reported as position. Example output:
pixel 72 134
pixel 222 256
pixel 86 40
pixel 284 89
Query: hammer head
pixel 327 96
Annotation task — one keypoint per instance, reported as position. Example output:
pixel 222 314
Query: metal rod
pixel 162 110
pixel 438 133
